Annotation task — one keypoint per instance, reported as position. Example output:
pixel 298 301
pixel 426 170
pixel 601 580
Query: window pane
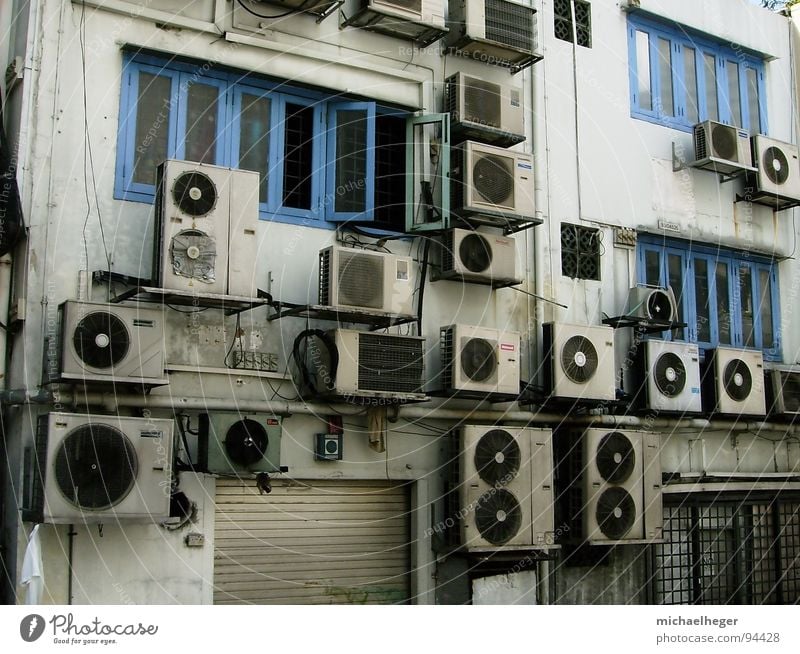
pixel 351 160
pixel 665 74
pixel 675 271
pixel 690 77
pixel 297 156
pixel 765 306
pixel 254 138
pixel 390 169
pixel 652 268
pixel 733 92
pixel 710 69
pixel 752 101
pixel 152 126
pixel 746 300
pixel 723 304
pixel 701 286
pixel 643 69
pixel 201 123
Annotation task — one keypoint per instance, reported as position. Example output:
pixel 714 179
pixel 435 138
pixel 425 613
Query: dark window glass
pixel 351 160
pixel 746 301
pixel 675 270
pixel 765 305
pixel 701 294
pixel 254 139
pixel 298 148
pixel 723 304
pixel 152 126
pixel 201 123
pixel 390 180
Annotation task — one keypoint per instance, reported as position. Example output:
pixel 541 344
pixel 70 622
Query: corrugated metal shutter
pixel 320 542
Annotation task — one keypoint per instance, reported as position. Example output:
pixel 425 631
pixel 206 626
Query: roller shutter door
pixel 318 542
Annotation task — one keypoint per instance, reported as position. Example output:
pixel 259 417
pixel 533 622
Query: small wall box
pixel 328 447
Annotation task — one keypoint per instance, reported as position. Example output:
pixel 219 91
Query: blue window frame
pixel 323 159
pixel 726 297
pixel 678 78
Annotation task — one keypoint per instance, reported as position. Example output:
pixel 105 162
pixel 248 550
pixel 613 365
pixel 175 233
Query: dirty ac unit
pixel 733 382
pixel 777 182
pixel 505 489
pixel 621 487
pixel 475 257
pixel 107 343
pixel 650 303
pixel 370 365
pixel 479 359
pixel 668 377
pixel 579 361
pixel 484 111
pixel 91 468
pixel 430 12
pixel 203 213
pixel 236 443
pixel 488 182
pixel 783 393
pixel 363 279
pixel 721 147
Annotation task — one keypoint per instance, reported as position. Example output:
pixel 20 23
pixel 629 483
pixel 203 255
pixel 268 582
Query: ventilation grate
pixel 390 363
pixel 360 278
pixel 482 102
pixel 510 24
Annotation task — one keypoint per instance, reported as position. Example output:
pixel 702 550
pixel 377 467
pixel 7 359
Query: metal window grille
pixel 580 252
pixel 562 21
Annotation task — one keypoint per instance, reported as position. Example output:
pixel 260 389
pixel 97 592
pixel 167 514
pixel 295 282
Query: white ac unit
pixel 234 443
pixel 107 343
pixel 733 382
pixel 506 488
pixel 579 361
pixel 668 377
pixel 777 182
pixel 783 393
pixel 364 279
pixel 720 147
pixel 479 359
pixel 495 32
pixel 491 182
pixel 484 111
pixel 621 481
pixel 92 468
pixel 476 257
pixel 368 365
pixel 203 215
pixel 430 12
pixel 421 21
pixel 658 304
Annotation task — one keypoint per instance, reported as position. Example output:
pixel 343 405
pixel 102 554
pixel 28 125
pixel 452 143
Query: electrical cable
pixel 422 277
pixel 333 361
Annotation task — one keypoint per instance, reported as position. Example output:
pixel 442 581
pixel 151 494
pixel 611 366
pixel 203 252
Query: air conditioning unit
pixel 203 213
pixel 107 343
pixel 621 483
pixel 317 7
pixel 421 21
pixel 777 182
pixel 506 488
pixel 358 364
pixel 783 393
pixel 722 148
pixel 351 279
pixel 579 362
pixel 733 382
pixel 490 184
pixel 474 257
pixel 479 359
pixel 667 376
pixel 91 468
pixel 484 111
pixel 495 32
pixel 657 304
pixel 234 443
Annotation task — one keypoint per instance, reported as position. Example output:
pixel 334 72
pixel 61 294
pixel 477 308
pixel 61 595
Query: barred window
pixel 583 21
pixel 580 252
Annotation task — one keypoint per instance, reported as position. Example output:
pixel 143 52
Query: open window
pixel 428 173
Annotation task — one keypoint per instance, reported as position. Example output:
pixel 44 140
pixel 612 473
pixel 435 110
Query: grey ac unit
pixel 667 377
pixel 650 303
pixel 353 279
pixel 579 362
pixel 722 148
pixel 733 382
pixel 505 488
pixel 484 111
pixel 477 257
pixel 356 364
pixel 783 393
pixel 234 443
pixel 107 343
pixel 93 468
pixel 203 214
pixel 777 182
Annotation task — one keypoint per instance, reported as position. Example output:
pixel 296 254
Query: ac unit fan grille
pixel 493 179
pixel 360 280
pixel 670 374
pixel 659 306
pixel 498 516
pixel 475 253
pixel 776 165
pixel 724 140
pixel 194 193
pixel 478 359
pixel 246 442
pixel 193 254
pixel 101 339
pixel 95 467
pixel 615 457
pixel 615 513
pixel 737 380
pixel 790 389
pixel 497 457
pixel 390 363
pixel 482 102
pixel 510 24
pixel 579 359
